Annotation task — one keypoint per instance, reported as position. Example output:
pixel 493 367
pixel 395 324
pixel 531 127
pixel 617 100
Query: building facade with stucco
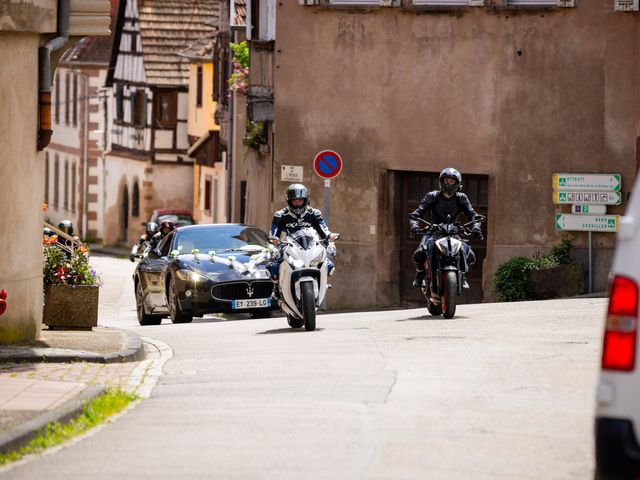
pixel 508 93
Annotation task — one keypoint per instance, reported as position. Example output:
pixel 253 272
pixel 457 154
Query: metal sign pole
pixel 590 264
pixel 326 213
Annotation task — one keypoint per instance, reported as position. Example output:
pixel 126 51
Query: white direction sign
pixel 589 209
pixel 291 173
pixel 587 181
pixel 594 198
pixel 587 223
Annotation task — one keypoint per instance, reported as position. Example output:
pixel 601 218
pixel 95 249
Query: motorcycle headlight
pixel 189 276
pixel 296 263
pixel 318 260
pixel 442 246
pixel 455 247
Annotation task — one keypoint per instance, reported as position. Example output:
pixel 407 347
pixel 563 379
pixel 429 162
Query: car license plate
pixel 253 303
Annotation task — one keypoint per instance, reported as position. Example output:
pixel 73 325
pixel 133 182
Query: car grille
pixel 242 290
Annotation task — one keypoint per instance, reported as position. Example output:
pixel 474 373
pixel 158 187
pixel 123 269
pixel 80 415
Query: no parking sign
pixel 327 164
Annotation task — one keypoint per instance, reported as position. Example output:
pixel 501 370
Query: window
pixel 199 86
pixel 627 5
pixel 166 106
pixel 73 187
pixel 67 96
pixel 74 105
pixel 135 201
pixel 139 108
pixel 119 102
pixel 65 204
pixel 46 177
pixel 207 195
pixel 56 180
pixel 57 99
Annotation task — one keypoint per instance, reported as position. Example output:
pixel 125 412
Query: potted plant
pixel 71 287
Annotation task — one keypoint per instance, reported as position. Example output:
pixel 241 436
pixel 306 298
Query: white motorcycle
pixel 303 275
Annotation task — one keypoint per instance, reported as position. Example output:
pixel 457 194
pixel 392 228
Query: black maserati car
pixel 199 269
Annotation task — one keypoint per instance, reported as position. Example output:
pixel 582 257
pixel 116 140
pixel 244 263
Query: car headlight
pixel 318 260
pixel 189 276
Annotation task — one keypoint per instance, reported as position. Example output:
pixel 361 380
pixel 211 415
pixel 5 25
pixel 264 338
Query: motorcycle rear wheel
pixel 294 322
pixel 449 294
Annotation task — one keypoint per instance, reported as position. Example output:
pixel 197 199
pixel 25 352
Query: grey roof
pixel 166 26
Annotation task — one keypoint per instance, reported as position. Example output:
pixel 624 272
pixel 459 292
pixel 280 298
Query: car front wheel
pixel 177 314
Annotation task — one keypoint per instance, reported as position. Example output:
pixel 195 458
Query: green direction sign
pixel 593 198
pixel 587 181
pixel 587 223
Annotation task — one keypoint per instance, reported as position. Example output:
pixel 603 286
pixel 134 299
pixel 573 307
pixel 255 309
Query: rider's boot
pixel 275 295
pixel 465 284
pixel 420 274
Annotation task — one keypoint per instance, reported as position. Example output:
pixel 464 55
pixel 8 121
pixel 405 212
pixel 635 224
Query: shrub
pixel 512 280
pixel 62 268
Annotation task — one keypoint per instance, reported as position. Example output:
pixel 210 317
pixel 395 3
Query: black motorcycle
pixel 443 282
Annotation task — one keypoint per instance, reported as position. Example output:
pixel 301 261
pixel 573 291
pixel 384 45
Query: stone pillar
pixel 21 189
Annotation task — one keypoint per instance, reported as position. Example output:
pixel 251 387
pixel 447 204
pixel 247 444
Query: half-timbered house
pixel 147 165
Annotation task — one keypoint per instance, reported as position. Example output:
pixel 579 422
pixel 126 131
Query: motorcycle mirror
pixel 154 253
pixel 334 236
pixel 273 240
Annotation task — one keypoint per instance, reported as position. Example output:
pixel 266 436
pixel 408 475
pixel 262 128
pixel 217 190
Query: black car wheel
pixel 176 313
pixel 143 317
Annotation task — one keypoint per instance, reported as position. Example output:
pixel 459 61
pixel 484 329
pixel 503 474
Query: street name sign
pixel 327 164
pixel 587 223
pixel 594 198
pixel 589 209
pixel 587 181
pixel 291 173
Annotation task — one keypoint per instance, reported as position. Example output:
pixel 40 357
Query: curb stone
pixel 132 352
pixel 19 436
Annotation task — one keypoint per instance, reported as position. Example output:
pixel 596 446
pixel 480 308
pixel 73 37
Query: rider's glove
pixel 414 232
pixel 476 231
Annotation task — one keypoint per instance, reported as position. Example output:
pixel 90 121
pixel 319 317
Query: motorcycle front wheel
pixel 294 322
pixel 308 306
pixel 449 294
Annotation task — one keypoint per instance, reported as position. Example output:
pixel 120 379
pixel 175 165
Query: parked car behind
pixel 617 426
pixel 179 218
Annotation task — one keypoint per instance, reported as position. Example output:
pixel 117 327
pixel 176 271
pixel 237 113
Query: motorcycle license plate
pixel 252 303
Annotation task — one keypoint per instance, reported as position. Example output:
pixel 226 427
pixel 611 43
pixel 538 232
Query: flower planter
pixel 557 282
pixel 69 307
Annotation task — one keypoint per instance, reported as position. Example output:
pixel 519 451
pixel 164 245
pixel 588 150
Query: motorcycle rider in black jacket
pixel 448 201
pixel 296 216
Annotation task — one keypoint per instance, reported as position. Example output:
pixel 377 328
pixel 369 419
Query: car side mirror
pixel 154 253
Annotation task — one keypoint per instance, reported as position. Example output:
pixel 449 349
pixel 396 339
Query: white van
pixel 617 427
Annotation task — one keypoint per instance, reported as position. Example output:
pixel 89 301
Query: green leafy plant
pixel 512 280
pixel 239 79
pixel 256 134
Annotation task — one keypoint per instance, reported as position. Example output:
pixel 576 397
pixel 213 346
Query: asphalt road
pixel 502 391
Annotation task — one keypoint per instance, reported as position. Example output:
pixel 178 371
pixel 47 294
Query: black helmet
pixel 47 232
pixel 450 173
pixel 66 226
pixel 166 224
pixel 297 191
pixel 152 228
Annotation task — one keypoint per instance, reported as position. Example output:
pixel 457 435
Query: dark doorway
pixel 124 215
pixel 413 187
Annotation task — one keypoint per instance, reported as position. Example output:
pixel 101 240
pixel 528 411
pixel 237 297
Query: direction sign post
pixel 587 223
pixel 587 181
pixel 327 164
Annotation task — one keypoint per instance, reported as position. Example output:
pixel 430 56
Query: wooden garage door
pixel 414 186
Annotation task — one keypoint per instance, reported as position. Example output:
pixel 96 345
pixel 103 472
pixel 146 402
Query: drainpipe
pixel 44 68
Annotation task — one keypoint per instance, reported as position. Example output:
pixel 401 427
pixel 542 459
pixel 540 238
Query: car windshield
pixel 220 239
pixel 306 238
pixel 178 219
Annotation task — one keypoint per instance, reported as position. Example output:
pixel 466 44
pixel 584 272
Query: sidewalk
pixel 51 379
